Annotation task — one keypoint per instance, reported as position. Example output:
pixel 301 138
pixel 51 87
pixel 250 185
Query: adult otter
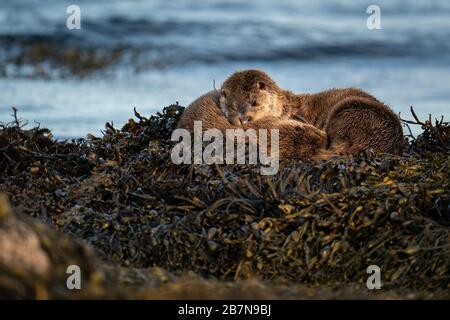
pixel 298 141
pixel 352 119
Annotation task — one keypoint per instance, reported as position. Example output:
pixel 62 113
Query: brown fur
pixel 298 141
pixel 249 96
pixel 205 109
pixel 352 119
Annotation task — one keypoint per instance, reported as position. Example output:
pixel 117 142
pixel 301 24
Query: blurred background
pixel 149 54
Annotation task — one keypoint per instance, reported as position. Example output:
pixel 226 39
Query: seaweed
pixel 315 225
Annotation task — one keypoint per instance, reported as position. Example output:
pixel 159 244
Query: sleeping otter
pixel 298 140
pixel 352 119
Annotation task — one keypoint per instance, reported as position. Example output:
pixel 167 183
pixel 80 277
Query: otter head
pixel 248 96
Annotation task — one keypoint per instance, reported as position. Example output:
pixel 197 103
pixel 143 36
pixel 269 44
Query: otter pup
pixel 352 119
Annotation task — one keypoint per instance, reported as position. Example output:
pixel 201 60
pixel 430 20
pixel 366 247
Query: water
pixel 174 50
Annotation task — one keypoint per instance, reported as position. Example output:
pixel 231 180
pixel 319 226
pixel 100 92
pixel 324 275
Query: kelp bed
pixel 141 227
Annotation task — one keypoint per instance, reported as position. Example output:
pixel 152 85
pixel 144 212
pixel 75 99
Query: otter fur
pixel 297 140
pixel 352 119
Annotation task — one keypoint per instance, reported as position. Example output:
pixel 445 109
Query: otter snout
pixel 245 119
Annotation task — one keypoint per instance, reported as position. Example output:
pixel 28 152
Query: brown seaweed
pixel 319 225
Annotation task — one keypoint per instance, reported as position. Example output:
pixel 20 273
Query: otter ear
pixel 261 85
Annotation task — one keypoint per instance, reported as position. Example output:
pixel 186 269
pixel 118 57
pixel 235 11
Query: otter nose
pixel 245 119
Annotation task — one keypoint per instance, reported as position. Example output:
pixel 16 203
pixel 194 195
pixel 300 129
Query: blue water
pixel 174 50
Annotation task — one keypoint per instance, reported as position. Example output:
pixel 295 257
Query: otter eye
pixel 261 85
pixel 254 104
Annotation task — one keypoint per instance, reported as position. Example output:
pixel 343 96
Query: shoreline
pixel 141 227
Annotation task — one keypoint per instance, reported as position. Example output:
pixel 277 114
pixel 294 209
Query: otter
pixel 298 140
pixel 352 119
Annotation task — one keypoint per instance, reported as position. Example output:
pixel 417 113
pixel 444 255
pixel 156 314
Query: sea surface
pixel 176 50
